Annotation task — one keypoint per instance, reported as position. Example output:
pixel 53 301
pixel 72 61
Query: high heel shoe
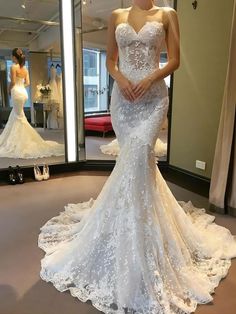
pixel 37 173
pixel 11 176
pixel 46 174
pixel 19 175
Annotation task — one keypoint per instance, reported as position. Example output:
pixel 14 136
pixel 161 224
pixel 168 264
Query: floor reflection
pixel 51 135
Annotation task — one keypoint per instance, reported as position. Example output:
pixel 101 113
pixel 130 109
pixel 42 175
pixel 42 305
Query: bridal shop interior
pixel 69 99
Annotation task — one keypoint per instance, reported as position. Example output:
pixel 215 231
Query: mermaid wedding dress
pixel 112 148
pixel 19 139
pixel 135 249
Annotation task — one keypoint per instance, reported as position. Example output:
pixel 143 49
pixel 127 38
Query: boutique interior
pixel 65 42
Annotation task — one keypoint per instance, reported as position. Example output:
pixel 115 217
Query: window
pixel 162 63
pixel 95 80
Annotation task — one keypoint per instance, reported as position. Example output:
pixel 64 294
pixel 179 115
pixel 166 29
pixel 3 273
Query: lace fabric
pixel 136 249
pixel 19 139
pixel 113 148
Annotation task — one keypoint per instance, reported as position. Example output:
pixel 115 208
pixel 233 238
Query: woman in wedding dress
pixel 19 139
pixel 136 249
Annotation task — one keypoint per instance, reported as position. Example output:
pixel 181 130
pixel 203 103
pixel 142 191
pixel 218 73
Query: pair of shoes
pixel 38 175
pixel 15 176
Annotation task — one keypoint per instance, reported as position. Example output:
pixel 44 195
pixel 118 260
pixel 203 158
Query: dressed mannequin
pixel 52 120
pixel 60 94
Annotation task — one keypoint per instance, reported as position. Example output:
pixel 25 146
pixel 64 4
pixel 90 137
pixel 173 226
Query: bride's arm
pixel 173 51
pixel 112 59
pixel 172 44
pixel 13 79
pixel 27 80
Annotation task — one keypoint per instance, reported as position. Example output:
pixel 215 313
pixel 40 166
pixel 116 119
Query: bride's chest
pixel 152 34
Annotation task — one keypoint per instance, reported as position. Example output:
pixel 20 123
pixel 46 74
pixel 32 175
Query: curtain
pixel 223 180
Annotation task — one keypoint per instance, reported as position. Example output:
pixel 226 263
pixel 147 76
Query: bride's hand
pixel 142 87
pixel 126 88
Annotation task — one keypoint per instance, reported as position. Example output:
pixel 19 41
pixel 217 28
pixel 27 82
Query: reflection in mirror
pixel 100 138
pixel 31 98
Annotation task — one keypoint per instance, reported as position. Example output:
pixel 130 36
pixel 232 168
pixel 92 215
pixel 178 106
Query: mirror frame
pixel 77 160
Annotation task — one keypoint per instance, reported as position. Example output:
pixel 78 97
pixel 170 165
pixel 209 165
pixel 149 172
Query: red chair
pixel 98 123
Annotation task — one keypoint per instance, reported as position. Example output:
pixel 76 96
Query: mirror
pixel 32 117
pixel 100 140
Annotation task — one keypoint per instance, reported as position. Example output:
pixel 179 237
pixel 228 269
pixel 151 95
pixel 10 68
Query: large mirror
pixel 31 91
pixel 100 140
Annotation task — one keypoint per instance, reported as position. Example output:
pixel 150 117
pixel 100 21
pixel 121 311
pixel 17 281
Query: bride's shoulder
pixel 14 67
pixel 117 14
pixel 168 11
pixel 168 15
pixel 119 11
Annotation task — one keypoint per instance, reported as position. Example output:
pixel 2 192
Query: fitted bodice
pixel 20 81
pixel 139 52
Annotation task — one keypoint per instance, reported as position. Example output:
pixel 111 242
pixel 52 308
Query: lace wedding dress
pixel 135 249
pixel 19 139
pixel 112 148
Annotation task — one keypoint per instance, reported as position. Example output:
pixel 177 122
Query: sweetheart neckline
pixel 144 25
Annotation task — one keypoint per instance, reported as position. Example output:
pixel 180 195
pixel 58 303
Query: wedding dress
pixel 135 249
pixel 60 93
pixel 54 100
pixel 19 139
pixel 112 148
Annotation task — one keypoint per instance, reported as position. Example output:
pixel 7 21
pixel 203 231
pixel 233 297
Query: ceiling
pixel 14 33
pixel 37 36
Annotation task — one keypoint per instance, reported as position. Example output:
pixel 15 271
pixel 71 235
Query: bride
pixel 19 139
pixel 135 249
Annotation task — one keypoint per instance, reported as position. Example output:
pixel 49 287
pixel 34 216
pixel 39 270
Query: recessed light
pixel 23 6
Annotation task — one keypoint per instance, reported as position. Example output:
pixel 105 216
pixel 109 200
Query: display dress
pixel 60 93
pixel 54 101
pixel 19 139
pixel 136 249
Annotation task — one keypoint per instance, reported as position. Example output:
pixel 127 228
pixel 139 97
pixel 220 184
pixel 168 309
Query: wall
pixel 38 72
pixel 199 82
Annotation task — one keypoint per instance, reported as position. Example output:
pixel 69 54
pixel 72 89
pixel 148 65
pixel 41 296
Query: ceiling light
pixel 23 6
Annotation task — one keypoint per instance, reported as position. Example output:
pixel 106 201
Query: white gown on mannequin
pixel 135 249
pixel 60 93
pixel 52 120
pixel 19 139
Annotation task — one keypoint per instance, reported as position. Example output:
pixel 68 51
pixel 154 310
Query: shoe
pixel 37 173
pixel 11 176
pixel 19 175
pixel 46 174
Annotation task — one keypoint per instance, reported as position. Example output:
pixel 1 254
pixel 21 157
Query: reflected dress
pixel 19 139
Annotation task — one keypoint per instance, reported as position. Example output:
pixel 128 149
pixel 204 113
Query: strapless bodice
pixel 20 81
pixel 139 52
